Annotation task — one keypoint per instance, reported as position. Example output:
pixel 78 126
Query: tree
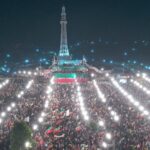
pixel 19 135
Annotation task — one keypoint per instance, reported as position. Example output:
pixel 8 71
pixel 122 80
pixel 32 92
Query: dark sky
pixel 35 23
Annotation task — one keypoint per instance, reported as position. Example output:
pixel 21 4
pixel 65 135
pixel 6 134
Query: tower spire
pixel 64 51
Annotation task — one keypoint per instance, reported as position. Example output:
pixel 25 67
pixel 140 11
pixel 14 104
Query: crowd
pixel 133 130
pixel 64 127
pixel 27 107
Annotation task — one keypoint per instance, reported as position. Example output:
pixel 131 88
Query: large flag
pixel 50 130
pixel 57 130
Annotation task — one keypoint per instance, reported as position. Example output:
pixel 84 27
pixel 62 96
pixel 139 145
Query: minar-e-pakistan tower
pixel 64 57
pixel 64 51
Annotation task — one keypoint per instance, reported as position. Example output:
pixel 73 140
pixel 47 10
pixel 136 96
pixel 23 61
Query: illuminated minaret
pixel 63 52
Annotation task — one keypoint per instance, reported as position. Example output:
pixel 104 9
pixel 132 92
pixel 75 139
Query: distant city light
pixel 26 61
pixel 8 55
pixel 111 62
pixel 125 53
pixel 37 50
pixel 104 60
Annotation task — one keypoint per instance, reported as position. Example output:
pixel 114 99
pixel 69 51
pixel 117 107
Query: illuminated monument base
pixel 69 62
pixel 70 71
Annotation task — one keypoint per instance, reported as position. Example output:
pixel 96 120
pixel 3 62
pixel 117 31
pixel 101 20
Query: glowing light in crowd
pixel 27 73
pixel 35 73
pixel 101 123
pixel 138 74
pixel 84 112
pixel 13 104
pixel 130 98
pixel 145 77
pixel 49 90
pixel 116 118
pixel 4 83
pixel 40 119
pixel 3 114
pixel 43 114
pixel 21 93
pixel 103 99
pixel 107 74
pixel 92 75
pixel 8 108
pixel 114 114
pixel 100 94
pixel 143 88
pixel 123 81
pixel 29 84
pixel 108 136
pixel 102 69
pixel 81 103
pixel 46 105
pixel 27 144
pixel 104 145
pixel 35 127
pixel 52 80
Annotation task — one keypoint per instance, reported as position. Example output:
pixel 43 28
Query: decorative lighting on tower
pixel 64 52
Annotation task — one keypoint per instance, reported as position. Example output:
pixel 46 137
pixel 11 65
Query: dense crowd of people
pixel 64 127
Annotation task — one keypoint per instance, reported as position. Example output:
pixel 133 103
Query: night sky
pixel 31 24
